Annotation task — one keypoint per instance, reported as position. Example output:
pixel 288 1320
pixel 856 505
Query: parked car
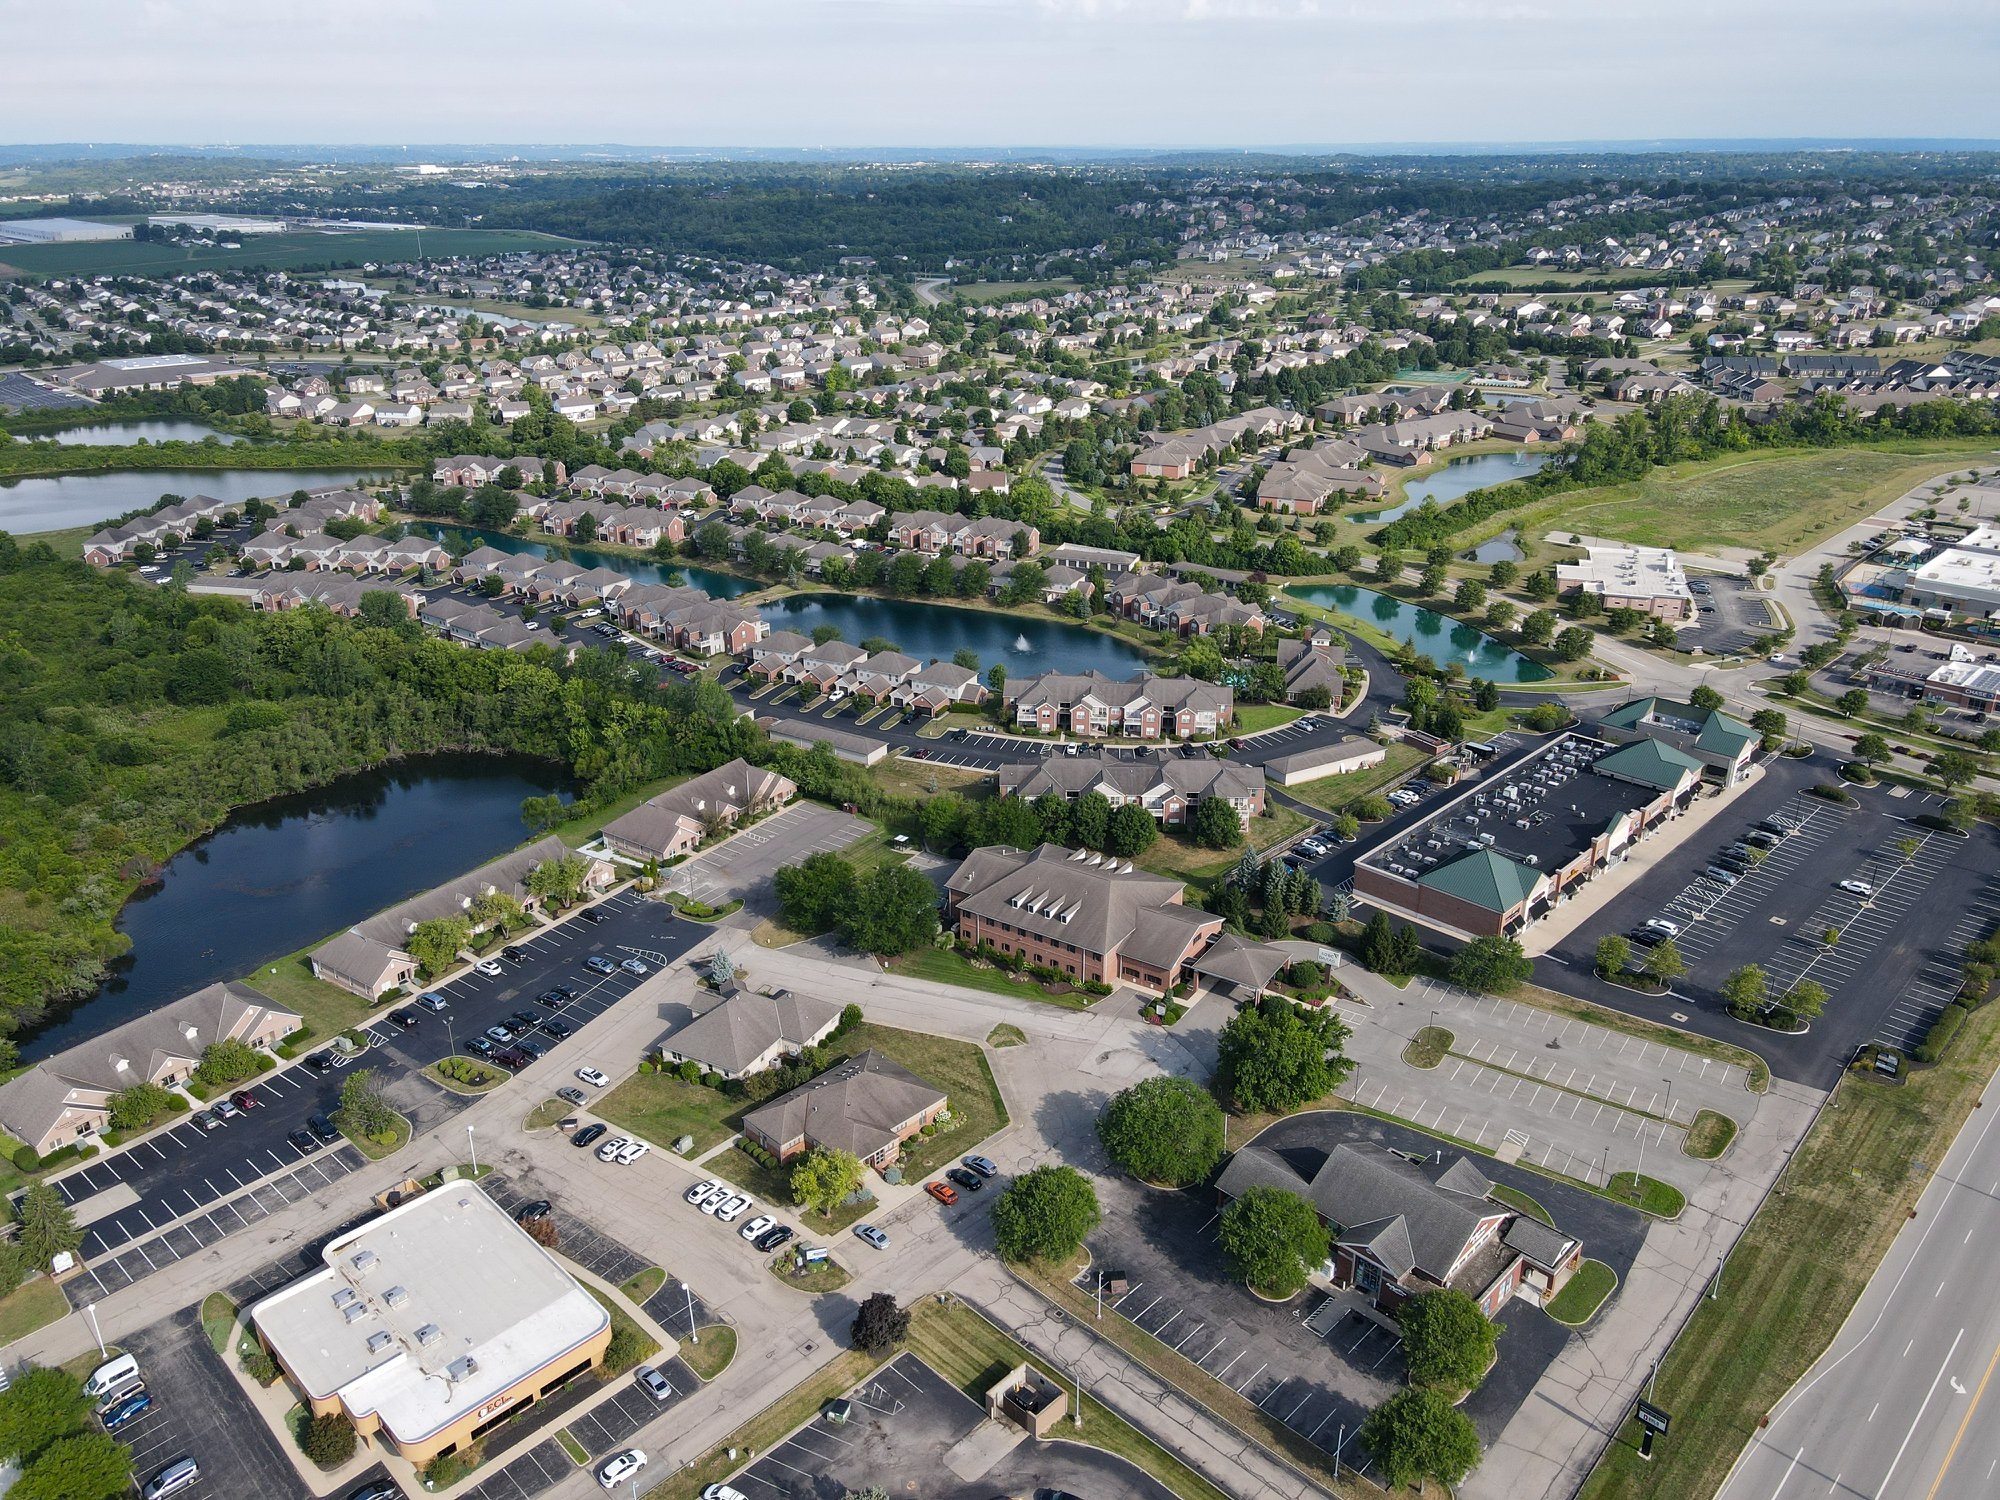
pixel 501 1032
pixel 558 1028
pixel 553 999
pixel 524 1020
pixel 620 1467
pixel 1663 926
pixel 244 1099
pixel 302 1139
pixel 776 1235
pixel 514 953
pixel 634 966
pixel 376 1489
pixel 179 1475
pixel 570 1096
pixel 944 1192
pixel 597 963
pixel 480 1047
pixel 532 1046
pixel 208 1119
pixel 754 1230
pixel 490 968
pixel 431 1000
pixel 868 1234
pixel 631 1151
pixel 406 1018
pixel 610 1149
pixel 127 1410
pixel 591 915
pixel 588 1134
pixel 222 1109
pixel 324 1128
pixel 713 1197
pixel 972 1182
pixel 1857 887
pixel 722 1492
pixel 982 1166
pixel 735 1208
pixel 592 1077
pixel 512 1059
pixel 653 1383
pixel 539 1209
pixel 698 1192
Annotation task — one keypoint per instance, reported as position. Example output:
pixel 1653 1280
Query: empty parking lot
pixel 740 868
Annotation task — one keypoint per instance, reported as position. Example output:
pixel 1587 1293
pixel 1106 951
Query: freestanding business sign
pixel 1655 1422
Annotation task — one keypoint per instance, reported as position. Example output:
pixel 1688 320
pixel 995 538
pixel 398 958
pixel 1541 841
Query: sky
pixel 857 73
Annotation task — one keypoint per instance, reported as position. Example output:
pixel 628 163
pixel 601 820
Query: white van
pixel 175 1477
pixel 108 1376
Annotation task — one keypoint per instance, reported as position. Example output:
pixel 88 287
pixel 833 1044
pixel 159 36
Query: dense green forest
pixel 133 719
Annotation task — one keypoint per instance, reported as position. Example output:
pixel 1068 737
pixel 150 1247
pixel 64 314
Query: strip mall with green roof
pixel 1720 742
pixel 1508 849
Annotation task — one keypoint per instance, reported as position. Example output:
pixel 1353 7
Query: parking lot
pixel 1899 945
pixel 741 866
pixel 906 1421
pixel 1729 612
pixel 200 1410
pixel 217 1180
pixel 22 393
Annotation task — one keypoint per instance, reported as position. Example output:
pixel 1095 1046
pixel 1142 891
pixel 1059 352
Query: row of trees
pixel 889 910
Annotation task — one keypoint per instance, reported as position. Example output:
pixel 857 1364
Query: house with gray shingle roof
pixel 1400 1227
pixel 749 1033
pixel 867 1106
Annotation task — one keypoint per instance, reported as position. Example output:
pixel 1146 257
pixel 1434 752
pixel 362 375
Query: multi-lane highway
pixel 1902 1406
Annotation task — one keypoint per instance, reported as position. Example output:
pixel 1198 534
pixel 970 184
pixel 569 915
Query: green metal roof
pixel 1485 879
pixel 1722 735
pixel 1651 762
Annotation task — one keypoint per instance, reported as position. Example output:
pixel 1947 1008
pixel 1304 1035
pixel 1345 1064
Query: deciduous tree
pixel 1045 1214
pixel 1273 1239
pixel 1164 1130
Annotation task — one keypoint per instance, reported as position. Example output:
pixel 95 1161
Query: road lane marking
pixel 1900 1447
pixel 1959 1436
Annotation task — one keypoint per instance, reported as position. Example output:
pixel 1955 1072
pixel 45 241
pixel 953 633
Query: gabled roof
pixel 1485 879
pixel 1650 761
pixel 854 1106
pixel 739 1031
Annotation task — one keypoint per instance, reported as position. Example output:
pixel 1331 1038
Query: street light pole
pixel 693 1336
pixel 90 1311
pixel 472 1146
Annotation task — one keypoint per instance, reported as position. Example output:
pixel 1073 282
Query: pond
pixel 1459 477
pixel 284 873
pixel 715 585
pixel 58 502
pixel 1502 548
pixel 1442 639
pixel 924 630
pixel 160 430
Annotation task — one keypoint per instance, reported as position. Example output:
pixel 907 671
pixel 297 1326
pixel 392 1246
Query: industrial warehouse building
pixel 1504 852
pixel 432 1324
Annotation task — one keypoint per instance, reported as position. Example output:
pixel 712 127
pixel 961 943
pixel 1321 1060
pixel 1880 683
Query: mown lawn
pixel 1174 855
pixel 34 1304
pixel 1794 1276
pixel 943 966
pixel 662 1108
pixel 1333 793
pixel 1255 718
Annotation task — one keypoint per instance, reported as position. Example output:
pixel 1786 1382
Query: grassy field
pixel 1333 793
pixel 1584 1293
pixel 1007 291
pixel 1795 1274
pixel 1540 276
pixel 290 982
pixel 1769 501
pixel 639 1288
pixel 662 1108
pixel 1709 1135
pixel 942 966
pixel 971 1353
pixel 1173 855
pixel 711 1355
pixel 1254 718
pixel 286 252
pixel 34 1304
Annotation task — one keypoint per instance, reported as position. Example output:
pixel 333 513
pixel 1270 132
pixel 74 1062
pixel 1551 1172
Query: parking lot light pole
pixel 90 1311
pixel 1670 1099
pixel 693 1336
pixel 472 1146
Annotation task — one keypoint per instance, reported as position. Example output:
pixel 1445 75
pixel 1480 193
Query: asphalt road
pixel 183 1170
pixel 1895 1409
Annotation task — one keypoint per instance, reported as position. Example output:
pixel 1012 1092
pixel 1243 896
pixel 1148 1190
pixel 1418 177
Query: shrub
pixel 447 1469
pixel 27 1159
pixel 328 1440
pixel 1939 1037
pixel 257 1363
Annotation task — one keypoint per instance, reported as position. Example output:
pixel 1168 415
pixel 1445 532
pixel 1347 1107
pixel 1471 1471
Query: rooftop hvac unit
pixel 379 1341
pixel 354 1312
pixel 429 1334
pixel 396 1296
pixel 1486 841
pixel 344 1296
pixel 462 1368
pixel 364 1261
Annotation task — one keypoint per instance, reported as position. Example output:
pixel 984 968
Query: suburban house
pixel 1505 851
pixel 369 960
pixel 1144 707
pixel 867 1106
pixel 676 821
pixel 1082 914
pixel 67 1098
pixel 748 1033
pixel 1317 661
pixel 1400 1228
pixel 1169 789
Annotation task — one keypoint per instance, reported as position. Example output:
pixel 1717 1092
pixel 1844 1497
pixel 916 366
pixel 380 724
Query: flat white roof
pixel 427 1313
pixel 1955 571
pixel 1628 571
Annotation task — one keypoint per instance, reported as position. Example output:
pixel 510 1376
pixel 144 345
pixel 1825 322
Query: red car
pixel 943 1192
pixel 245 1100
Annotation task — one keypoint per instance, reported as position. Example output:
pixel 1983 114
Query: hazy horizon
pixel 902 75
